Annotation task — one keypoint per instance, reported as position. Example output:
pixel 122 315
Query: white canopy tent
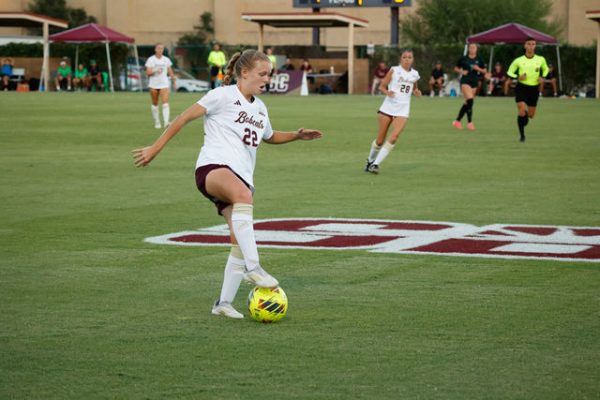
pixel 31 20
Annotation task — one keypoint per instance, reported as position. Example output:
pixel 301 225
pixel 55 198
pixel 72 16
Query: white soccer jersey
pixel 160 66
pixel 401 84
pixel 233 129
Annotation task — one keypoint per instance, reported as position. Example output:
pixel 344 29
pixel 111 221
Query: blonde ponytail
pixel 247 59
pixel 230 69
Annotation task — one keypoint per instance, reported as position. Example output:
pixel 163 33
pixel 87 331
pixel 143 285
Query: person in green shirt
pixel 273 59
pixel 216 62
pixel 80 78
pixel 529 70
pixel 63 77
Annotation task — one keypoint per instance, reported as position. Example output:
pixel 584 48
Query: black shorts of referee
pixel 527 94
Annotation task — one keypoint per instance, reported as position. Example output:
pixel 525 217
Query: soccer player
pixel 157 68
pixel 529 70
pixel 398 85
pixel 235 123
pixel 470 67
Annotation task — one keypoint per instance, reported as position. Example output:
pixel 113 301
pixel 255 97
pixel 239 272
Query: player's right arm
pixel 512 70
pixel 383 86
pixel 145 155
pixel 458 68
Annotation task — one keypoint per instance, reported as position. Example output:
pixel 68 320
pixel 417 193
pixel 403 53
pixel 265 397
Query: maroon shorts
pixel 202 172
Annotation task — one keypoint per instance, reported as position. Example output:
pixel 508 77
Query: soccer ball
pixel 267 304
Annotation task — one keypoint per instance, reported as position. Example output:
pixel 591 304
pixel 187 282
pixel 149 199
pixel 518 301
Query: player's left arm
pixel 481 70
pixel 544 70
pixel 173 79
pixel 279 137
pixel 416 90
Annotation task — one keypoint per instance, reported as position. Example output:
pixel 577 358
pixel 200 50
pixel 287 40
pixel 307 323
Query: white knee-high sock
pixel 243 229
pixel 166 113
pixel 234 273
pixel 155 114
pixel 375 148
pixel 383 153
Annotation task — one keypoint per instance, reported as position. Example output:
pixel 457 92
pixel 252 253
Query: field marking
pixel 505 241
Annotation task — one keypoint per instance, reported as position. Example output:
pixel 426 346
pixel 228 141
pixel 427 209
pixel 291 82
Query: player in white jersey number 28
pixel 398 86
pixel 234 125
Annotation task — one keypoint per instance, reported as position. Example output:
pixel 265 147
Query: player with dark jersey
pixel 470 67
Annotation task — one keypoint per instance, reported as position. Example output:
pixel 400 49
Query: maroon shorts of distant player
pixel 201 174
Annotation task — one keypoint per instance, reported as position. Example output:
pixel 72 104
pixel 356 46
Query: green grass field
pixel 90 311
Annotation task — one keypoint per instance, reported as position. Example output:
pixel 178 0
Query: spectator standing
pixel 378 75
pixel 216 62
pixel 273 59
pixel 80 78
pixel 437 80
pixel 63 76
pixel 6 72
pixel 306 67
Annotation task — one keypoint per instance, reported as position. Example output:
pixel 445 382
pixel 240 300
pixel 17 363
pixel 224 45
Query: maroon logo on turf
pixel 411 237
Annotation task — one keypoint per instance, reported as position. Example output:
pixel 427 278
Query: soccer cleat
pixel 457 124
pixel 166 125
pixel 441 94
pixel 260 278
pixel 522 140
pixel 157 125
pixel 369 163
pixel 471 126
pixel 374 169
pixel 226 309
pixel 432 94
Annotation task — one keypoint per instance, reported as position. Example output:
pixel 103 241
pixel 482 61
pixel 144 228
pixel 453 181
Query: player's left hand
pixel 308 134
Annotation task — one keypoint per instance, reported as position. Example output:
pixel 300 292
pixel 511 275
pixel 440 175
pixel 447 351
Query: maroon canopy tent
pixel 514 34
pixel 91 33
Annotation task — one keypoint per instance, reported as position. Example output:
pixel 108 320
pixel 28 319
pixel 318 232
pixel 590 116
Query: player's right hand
pixel 142 157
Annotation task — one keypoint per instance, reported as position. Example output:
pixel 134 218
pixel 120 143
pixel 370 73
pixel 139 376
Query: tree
pixel 202 33
pixel 59 9
pixel 196 43
pixel 451 21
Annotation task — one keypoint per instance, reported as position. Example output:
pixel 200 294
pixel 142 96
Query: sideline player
pixel 530 70
pixel 234 125
pixel 470 67
pixel 397 86
pixel 157 68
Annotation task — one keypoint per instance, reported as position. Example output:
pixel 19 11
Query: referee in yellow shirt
pixel 529 69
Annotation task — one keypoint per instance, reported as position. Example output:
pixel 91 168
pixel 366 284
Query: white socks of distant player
pixel 155 115
pixel 374 151
pixel 234 273
pixel 243 229
pixel 166 111
pixel 383 153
